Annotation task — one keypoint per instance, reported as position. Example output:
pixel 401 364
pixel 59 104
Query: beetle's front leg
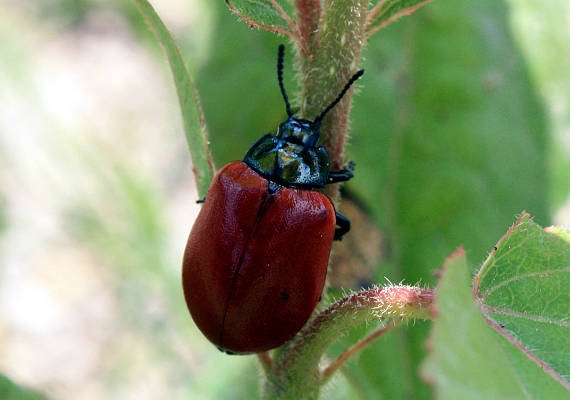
pixel 343 224
pixel 343 175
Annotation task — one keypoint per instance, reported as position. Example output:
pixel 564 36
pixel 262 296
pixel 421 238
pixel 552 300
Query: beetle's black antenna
pixel 357 75
pixel 280 55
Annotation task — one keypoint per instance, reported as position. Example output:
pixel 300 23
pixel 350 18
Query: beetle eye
pixel 309 140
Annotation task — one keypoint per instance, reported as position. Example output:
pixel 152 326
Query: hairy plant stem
pixel 296 374
pixel 333 57
pixel 308 16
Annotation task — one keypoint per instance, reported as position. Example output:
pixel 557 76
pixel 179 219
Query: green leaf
pixel 449 140
pixel 470 360
pixel 523 290
pixel 12 391
pixel 194 125
pixel 387 11
pixel 272 15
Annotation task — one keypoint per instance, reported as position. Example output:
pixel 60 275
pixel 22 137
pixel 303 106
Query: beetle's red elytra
pixel 256 259
pixel 254 272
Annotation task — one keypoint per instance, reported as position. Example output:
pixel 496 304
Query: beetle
pixel 256 259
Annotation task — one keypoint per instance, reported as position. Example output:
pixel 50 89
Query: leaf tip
pixel 523 217
pixel 456 255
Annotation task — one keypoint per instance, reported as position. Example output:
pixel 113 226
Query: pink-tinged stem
pixel 308 16
pixel 398 301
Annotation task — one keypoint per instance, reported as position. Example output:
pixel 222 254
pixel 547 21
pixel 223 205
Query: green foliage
pixel 194 125
pixel 523 289
pixel 385 12
pixel 271 13
pixel 541 28
pixel 470 360
pixel 449 141
pixel 448 137
pixel 12 391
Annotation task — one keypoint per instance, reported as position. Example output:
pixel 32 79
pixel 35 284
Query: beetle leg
pixel 342 175
pixel 343 224
pixel 201 201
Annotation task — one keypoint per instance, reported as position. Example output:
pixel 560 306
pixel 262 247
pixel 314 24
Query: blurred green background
pixel 460 123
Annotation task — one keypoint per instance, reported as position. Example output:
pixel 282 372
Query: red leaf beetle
pixel 256 258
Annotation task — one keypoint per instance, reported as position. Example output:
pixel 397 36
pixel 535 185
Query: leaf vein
pixel 536 318
pixel 523 276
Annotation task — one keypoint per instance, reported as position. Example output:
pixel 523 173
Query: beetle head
pixel 302 131
pixel 299 131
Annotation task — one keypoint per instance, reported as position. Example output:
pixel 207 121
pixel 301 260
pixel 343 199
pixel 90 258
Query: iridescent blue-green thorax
pixel 291 157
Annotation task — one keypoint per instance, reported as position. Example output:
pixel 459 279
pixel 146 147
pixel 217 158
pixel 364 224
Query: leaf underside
pixel 387 11
pixel 264 12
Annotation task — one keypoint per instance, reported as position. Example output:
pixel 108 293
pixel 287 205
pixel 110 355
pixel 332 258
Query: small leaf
pixel 387 11
pixel 523 290
pixel 468 359
pixel 271 15
pixel 194 125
